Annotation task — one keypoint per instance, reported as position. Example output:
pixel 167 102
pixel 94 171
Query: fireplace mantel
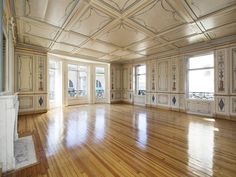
pixel 8 130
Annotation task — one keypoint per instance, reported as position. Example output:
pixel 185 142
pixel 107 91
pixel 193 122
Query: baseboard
pixel 116 102
pixel 32 112
pixel 225 117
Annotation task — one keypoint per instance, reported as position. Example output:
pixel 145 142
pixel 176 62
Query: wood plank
pixel 126 140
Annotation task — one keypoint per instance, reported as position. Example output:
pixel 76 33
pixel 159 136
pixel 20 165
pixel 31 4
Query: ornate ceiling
pixel 120 30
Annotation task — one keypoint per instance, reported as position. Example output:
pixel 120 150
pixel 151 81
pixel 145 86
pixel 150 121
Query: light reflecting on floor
pixel 201 146
pixel 100 124
pixel 77 129
pixel 55 132
pixel 142 130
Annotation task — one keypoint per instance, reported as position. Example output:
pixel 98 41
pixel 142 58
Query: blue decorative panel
pixel 153 98
pixel 221 104
pixel 174 100
pixel 40 101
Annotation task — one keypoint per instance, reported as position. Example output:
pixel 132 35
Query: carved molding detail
pixel 121 5
pixel 92 13
pixel 234 70
pixel 221 66
pixel 148 11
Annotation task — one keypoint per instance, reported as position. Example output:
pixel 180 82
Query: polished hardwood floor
pixel 126 140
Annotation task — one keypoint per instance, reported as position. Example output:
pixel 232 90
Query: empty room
pixel 109 88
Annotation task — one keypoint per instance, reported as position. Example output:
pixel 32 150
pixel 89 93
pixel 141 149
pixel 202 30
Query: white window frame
pixel 87 90
pixel 136 80
pixel 200 95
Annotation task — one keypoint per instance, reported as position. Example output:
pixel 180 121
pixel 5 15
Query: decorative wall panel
pixel 117 79
pixel 199 107
pixel 153 99
pixel 163 76
pixel 40 102
pixel 153 76
pixel 26 103
pixel 182 102
pixel 163 99
pixel 174 100
pixel 222 105
pixel 233 106
pixel 112 78
pixel 221 84
pixel 130 78
pixel 174 75
pixel 182 69
pixel 41 70
pixel 25 73
pixel 125 79
pixel 31 81
pixel 233 80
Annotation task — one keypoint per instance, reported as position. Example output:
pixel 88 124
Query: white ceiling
pixel 119 30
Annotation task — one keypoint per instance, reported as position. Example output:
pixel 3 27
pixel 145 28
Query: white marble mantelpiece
pixel 8 130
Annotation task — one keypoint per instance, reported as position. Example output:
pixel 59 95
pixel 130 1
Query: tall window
pixel 100 82
pixel 77 81
pixel 140 79
pixel 52 79
pixel 201 77
pixel 55 83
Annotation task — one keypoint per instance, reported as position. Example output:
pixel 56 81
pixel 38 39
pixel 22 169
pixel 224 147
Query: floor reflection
pixel 142 130
pixel 100 124
pixel 77 129
pixel 201 146
pixel 55 132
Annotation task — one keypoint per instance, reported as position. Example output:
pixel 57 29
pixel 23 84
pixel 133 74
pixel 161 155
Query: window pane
pixel 141 82
pixel 201 61
pixel 52 84
pixel 100 82
pixel 201 80
pixel 72 80
pixel 141 79
pixel 82 83
pixel 141 69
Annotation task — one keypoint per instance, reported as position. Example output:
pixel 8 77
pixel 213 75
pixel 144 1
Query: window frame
pixel 206 96
pixel 77 80
pixel 140 92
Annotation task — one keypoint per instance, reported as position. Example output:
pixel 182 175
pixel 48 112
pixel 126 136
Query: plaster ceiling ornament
pixel 149 16
pixel 122 35
pixel 120 5
pixel 49 10
pixel 91 21
pixel 120 30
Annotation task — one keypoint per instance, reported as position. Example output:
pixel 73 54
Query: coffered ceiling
pixel 120 30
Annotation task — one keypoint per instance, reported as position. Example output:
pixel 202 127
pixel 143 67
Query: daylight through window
pixel 201 77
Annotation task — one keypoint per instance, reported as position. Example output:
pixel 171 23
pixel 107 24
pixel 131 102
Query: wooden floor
pixel 125 140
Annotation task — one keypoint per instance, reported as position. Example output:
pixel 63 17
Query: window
pixel 55 83
pixel 77 81
pixel 52 79
pixel 201 77
pixel 140 79
pixel 100 82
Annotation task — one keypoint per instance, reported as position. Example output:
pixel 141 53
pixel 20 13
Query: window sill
pixel 199 100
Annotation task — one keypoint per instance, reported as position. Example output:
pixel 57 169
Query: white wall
pixel 166 84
